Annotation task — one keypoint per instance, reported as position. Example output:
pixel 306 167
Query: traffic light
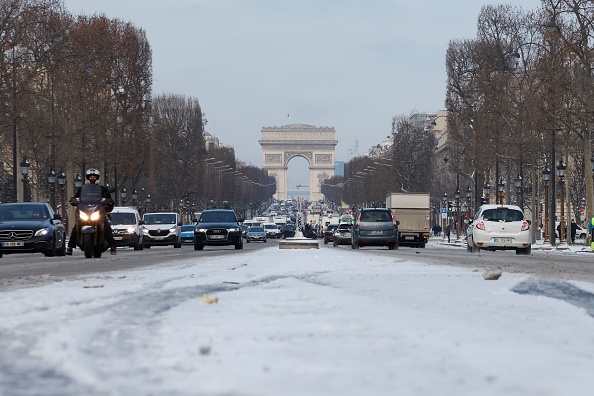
pixel 449 206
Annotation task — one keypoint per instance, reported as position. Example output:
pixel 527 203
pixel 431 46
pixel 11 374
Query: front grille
pixel 15 235
pixel 217 234
pixel 159 232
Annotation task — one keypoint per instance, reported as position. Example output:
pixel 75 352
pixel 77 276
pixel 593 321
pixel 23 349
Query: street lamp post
pixel 444 201
pixel 468 196
pixel 123 194
pixel 51 184
pixel 561 172
pixel 459 222
pixel 25 165
pixel 518 185
pixel 546 177
pixel 77 181
pixel 62 185
pixel 501 188
pixel 148 203
pixel 487 190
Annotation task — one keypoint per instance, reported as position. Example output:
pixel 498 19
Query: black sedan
pixel 287 231
pixel 31 227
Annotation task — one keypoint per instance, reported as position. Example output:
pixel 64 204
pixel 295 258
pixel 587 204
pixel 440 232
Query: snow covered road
pixel 296 322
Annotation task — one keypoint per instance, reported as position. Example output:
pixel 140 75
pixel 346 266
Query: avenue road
pixel 26 269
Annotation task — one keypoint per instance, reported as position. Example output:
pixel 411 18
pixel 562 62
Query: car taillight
pixel 480 226
pixel 525 226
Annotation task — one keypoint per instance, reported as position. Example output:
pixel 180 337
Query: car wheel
pixel 264 241
pixel 392 246
pixel 198 246
pixel 354 245
pixel 177 245
pixel 239 246
pixel 247 241
pixel 62 250
pixel 137 244
pixel 51 252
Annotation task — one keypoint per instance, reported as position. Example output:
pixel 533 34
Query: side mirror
pixel 529 221
pixel 179 223
pixel 57 216
pixel 467 221
pixel 141 222
pixel 240 220
pixel 397 222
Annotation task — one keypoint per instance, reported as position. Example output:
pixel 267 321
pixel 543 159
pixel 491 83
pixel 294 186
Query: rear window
pixel 375 215
pixel 503 214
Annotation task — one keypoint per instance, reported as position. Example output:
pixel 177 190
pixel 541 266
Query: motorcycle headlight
pixel 41 232
pixel 95 216
pixel 83 216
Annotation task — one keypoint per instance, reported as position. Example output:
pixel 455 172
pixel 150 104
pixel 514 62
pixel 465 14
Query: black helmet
pixel 92 171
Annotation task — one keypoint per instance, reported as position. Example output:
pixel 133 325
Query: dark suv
pixel 375 227
pixel 218 227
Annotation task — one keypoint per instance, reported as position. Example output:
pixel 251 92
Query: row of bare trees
pixel 75 93
pixel 519 99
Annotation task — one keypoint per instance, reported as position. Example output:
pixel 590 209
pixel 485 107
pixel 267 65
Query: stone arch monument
pixel 315 144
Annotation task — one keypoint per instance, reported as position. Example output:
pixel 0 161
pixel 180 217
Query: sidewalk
pixel 570 248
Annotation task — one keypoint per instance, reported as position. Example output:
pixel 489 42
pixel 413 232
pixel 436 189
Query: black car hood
pixel 23 224
pixel 217 225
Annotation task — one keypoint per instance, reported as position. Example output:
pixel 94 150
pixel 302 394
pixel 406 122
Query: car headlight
pixel 145 230
pixel 201 230
pixel 172 230
pixel 130 230
pixel 233 229
pixel 41 232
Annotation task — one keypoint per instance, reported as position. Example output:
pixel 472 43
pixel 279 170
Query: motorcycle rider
pixel 92 175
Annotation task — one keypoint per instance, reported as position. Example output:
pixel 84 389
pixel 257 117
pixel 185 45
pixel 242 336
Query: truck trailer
pixel 412 212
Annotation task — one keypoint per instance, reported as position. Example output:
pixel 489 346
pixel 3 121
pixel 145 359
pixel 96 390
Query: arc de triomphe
pixel 315 144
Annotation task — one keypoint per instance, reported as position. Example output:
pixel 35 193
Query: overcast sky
pixel 348 64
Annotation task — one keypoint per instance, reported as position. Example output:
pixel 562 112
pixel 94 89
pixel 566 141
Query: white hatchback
pixel 499 227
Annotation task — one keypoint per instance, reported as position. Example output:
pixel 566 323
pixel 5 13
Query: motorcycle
pixel 90 220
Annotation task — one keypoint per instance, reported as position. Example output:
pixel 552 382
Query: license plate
pixel 117 238
pixel 158 237
pixel 216 237
pixel 12 244
pixel 503 240
pixel 376 232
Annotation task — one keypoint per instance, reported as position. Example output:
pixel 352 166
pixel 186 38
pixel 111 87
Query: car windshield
pixel 270 226
pixel 123 218
pixel 375 215
pixel 218 217
pixel 24 212
pixel 503 214
pixel 186 228
pixel 256 229
pixel 159 218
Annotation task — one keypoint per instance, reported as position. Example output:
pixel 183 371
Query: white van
pixel 162 229
pixel 127 227
pixel 271 229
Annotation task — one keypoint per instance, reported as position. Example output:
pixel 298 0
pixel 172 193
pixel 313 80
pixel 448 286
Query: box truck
pixel 412 212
